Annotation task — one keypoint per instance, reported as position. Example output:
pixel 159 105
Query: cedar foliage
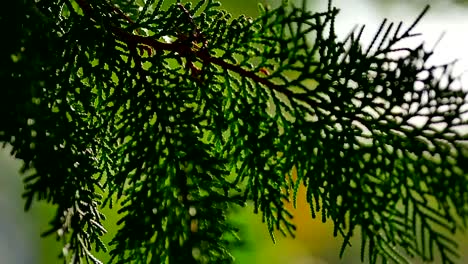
pixel 181 111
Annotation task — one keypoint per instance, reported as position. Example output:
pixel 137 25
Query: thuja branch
pixel 171 156
pixel 189 50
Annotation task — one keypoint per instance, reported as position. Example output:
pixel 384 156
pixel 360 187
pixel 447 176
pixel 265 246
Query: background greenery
pixel 19 231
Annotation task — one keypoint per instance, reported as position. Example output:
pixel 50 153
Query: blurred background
pixel 20 241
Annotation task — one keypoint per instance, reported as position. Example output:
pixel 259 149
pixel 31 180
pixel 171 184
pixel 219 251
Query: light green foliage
pixel 180 111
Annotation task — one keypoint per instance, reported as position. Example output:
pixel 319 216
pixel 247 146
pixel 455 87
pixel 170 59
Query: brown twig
pixel 185 49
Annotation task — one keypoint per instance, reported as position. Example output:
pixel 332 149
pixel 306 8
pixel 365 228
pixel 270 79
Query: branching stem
pixel 186 50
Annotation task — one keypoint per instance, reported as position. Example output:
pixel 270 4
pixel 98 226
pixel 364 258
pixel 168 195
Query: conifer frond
pixel 179 112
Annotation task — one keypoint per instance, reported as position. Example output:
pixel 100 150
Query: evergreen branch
pixel 188 50
pixel 219 111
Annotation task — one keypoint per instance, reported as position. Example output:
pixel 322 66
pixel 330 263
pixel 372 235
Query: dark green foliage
pixel 182 112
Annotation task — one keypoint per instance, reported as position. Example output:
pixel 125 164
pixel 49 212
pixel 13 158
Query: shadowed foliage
pixel 180 111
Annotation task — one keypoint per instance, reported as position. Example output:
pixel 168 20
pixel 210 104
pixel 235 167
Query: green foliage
pixel 179 112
